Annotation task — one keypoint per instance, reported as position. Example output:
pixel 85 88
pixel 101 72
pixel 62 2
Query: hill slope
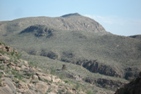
pixel 19 76
pixel 78 40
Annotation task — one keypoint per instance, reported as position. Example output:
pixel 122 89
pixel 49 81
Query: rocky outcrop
pixel 106 69
pixel 107 83
pixel 17 76
pixel 131 73
pixel 50 54
pixel 104 83
pixel 38 31
pixel 97 67
pixel 136 37
pixel 134 87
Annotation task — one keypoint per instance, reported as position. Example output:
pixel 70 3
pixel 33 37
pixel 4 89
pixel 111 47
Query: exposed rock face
pixel 38 31
pixel 110 84
pixel 97 67
pixel 104 83
pixel 131 73
pixel 49 54
pixel 134 87
pixel 136 37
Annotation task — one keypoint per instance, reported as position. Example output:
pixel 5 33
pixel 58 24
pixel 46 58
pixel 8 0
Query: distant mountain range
pixel 77 40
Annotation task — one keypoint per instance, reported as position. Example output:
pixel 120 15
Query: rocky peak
pixel 71 14
pixel 68 22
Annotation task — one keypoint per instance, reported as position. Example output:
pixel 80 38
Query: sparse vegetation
pixel 88 53
pixel 19 74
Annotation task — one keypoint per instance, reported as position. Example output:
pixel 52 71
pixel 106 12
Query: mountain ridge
pixel 72 23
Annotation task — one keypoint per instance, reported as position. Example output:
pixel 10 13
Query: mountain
pixel 70 22
pixel 98 59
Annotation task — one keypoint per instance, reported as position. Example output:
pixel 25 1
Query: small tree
pixel 63 67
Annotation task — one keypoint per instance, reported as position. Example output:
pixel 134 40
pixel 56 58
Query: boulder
pixel 9 83
pixel 4 58
pixel 42 87
pixel 6 90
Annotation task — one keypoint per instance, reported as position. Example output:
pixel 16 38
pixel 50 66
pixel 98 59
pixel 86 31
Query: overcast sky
pixel 121 17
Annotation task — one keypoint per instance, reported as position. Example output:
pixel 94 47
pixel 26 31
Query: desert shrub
pixel 63 67
pixel 17 74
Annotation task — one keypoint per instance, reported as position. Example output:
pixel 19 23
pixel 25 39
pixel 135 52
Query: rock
pixel 110 84
pixel 2 83
pixel 9 82
pixel 22 85
pixel 42 87
pixel 31 86
pixel 134 87
pixel 1 46
pixel 6 90
pixel 35 77
pixel 43 77
pixel 29 92
pixel 52 93
pixel 26 63
pixel 55 79
pixel 23 67
pixel 17 68
pixel 4 58
pixel 131 73
pixel 98 67
pixel 20 78
pixel 50 54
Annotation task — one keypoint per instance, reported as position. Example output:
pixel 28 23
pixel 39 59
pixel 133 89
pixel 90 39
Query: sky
pixel 121 17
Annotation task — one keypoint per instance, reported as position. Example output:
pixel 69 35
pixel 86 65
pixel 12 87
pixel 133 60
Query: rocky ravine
pixel 17 76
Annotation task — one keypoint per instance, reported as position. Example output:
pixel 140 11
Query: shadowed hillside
pixel 134 87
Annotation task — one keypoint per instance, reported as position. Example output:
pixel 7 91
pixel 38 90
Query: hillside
pixel 18 76
pixel 98 58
